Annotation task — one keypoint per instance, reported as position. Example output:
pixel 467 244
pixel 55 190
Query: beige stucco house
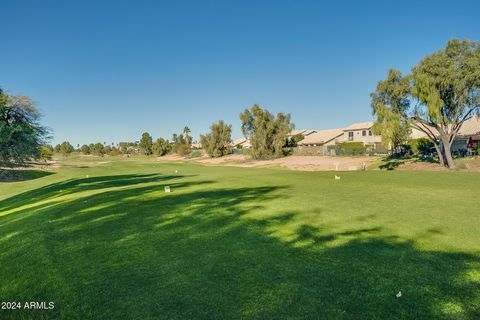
pixel 303 132
pixel 241 143
pixel 361 132
pixel 318 142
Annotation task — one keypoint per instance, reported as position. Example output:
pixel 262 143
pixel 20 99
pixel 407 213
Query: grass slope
pixel 240 243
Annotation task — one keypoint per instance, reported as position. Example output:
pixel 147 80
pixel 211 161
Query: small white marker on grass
pixel 337 177
pixel 167 189
pixel 399 294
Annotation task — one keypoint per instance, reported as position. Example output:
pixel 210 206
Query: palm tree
pixel 188 139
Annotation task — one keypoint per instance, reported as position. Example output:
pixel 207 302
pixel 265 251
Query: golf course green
pixel 100 238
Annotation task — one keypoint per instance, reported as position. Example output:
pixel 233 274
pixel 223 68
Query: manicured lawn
pixel 240 243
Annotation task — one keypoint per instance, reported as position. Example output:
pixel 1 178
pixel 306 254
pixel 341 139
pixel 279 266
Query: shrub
pixel 240 151
pixel 350 149
pixel 195 153
pixel 46 153
pixel 421 146
pixel 183 149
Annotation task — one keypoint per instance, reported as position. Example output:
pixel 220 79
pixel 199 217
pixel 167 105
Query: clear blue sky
pixel 109 70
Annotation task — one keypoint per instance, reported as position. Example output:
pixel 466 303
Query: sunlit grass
pixel 103 240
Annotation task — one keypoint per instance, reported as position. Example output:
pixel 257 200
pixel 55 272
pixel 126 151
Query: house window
pixel 364 133
pixel 350 135
pixel 369 132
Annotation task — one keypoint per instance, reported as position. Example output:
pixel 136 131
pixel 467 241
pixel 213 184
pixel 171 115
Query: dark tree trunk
pixel 447 145
pixel 441 157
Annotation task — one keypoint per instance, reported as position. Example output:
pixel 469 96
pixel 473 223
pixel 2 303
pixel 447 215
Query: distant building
pixel 323 142
pixel 302 132
pixel 361 132
pixel 322 138
pixel 318 142
pixel 470 130
pixel 197 145
pixel 241 143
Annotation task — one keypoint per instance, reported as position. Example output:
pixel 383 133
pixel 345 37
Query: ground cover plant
pixel 101 239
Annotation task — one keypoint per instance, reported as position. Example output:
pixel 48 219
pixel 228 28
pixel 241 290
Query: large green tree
pixel 445 87
pixel 146 143
pixel 389 103
pixel 217 142
pixel 268 134
pixel 21 133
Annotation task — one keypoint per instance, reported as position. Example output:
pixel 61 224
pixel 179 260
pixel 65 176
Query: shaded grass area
pixel 10 175
pixel 230 243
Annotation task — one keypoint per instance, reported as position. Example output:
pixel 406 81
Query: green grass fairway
pixel 239 243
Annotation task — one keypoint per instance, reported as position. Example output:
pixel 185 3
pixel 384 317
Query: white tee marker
pixel 167 189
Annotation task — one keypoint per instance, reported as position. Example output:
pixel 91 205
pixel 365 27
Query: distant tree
pixel 21 134
pixel 389 103
pixel 183 149
pixel 66 148
pixel 85 149
pixel 267 133
pixel 188 138
pixel 161 147
pixel 123 146
pixel 174 142
pixel 217 142
pixel 146 144
pixel 180 145
pixel 98 149
pixel 56 149
pixel 46 153
pixel 115 151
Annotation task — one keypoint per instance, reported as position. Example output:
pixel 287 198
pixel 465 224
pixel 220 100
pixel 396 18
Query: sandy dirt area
pixel 304 163
pixel 423 166
pixel 322 163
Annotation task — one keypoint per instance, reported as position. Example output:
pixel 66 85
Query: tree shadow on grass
pixel 391 164
pixel 83 184
pixel 196 253
pixel 10 175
